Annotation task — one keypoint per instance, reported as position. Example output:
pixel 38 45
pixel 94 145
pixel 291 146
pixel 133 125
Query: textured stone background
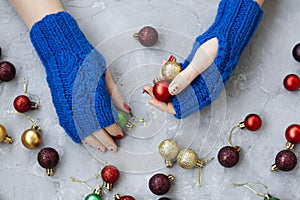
pixel 255 87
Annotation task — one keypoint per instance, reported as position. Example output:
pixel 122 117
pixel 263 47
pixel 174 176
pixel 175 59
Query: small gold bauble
pixel 3 135
pixel 168 149
pixel 31 138
pixel 187 159
pixel 170 70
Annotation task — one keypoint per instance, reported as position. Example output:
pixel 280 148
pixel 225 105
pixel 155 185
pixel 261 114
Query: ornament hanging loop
pixel 34 104
pixel 235 130
pixel 266 195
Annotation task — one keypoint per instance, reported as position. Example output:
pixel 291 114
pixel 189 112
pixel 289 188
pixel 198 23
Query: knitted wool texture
pixel 75 74
pixel 235 23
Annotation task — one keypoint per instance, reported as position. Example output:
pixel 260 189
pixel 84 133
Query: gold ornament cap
pixel 188 159
pixel 3 135
pixel 168 149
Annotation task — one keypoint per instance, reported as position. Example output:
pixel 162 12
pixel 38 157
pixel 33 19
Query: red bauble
pixel 296 52
pixel 292 134
pixel 291 82
pixel 7 71
pixel 127 197
pixel 110 174
pixel 252 122
pixel 22 103
pixel 161 92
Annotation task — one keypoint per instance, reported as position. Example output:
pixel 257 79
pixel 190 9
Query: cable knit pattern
pixel 235 23
pixel 75 74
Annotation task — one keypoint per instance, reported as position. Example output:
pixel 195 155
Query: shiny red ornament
pixel 161 92
pixel 48 159
pixel 125 197
pixel 22 103
pixel 291 82
pixel 252 122
pixel 110 174
pixel 7 71
pixel 292 134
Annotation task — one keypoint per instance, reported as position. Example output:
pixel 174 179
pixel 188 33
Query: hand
pixel 102 139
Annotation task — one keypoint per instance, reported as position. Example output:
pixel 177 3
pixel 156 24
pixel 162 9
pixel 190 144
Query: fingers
pixel 163 106
pixel 115 93
pixel 103 137
pixel 115 130
pixel 93 142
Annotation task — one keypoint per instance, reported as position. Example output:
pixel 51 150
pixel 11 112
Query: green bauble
pixel 273 198
pixel 122 119
pixel 93 197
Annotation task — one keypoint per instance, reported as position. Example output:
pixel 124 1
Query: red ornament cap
pixel 291 82
pixel 172 58
pixel 292 134
pixel 252 122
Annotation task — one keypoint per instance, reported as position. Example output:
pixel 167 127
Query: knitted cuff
pixel 75 74
pixel 234 26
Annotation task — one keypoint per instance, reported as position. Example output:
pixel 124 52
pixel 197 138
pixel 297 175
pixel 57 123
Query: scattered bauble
pixel 228 156
pixel 31 138
pixel 48 159
pixel 110 174
pixel 296 52
pixel 291 82
pixel 286 160
pixel 147 36
pixel 22 103
pixel 252 122
pixel 160 184
pixel 7 71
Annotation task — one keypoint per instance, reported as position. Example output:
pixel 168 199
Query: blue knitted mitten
pixel 75 74
pixel 235 23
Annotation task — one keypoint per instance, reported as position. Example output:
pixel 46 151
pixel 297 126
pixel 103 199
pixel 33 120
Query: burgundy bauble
pixel 126 197
pixel 161 92
pixel 291 82
pixel 252 122
pixel 286 160
pixel 22 103
pixel 159 184
pixel 148 36
pixel 296 52
pixel 48 158
pixel 110 174
pixel 164 198
pixel 228 156
pixel 7 71
pixel 0 52
pixel 292 134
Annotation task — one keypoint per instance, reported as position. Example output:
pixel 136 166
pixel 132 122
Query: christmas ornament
pixel 296 52
pixel 170 69
pixel 110 174
pixel 24 103
pixel 228 156
pixel 292 135
pixel 3 135
pixel 285 160
pixel 32 138
pixel 160 184
pixel 126 197
pixel 127 121
pixel 48 159
pixel 291 82
pixel 96 195
pixel 164 198
pixel 7 71
pixel 161 92
pixel 266 195
pixel 0 52
pixel 147 36
pixel 168 149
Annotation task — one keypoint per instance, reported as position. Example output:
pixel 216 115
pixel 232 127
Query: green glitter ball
pixel 93 197
pixel 122 119
pixel 273 198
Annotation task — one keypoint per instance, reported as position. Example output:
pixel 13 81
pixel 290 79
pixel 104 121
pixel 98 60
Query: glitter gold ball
pixel 31 139
pixel 187 159
pixel 168 149
pixel 2 133
pixel 170 70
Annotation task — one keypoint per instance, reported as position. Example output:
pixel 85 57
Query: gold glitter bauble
pixel 3 135
pixel 170 70
pixel 31 138
pixel 187 159
pixel 168 149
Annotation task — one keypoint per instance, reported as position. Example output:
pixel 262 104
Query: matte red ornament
pixel 7 71
pixel 126 197
pixel 160 184
pixel 22 103
pixel 48 159
pixel 161 92
pixel 291 82
pixel 292 134
pixel 110 174
pixel 252 122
